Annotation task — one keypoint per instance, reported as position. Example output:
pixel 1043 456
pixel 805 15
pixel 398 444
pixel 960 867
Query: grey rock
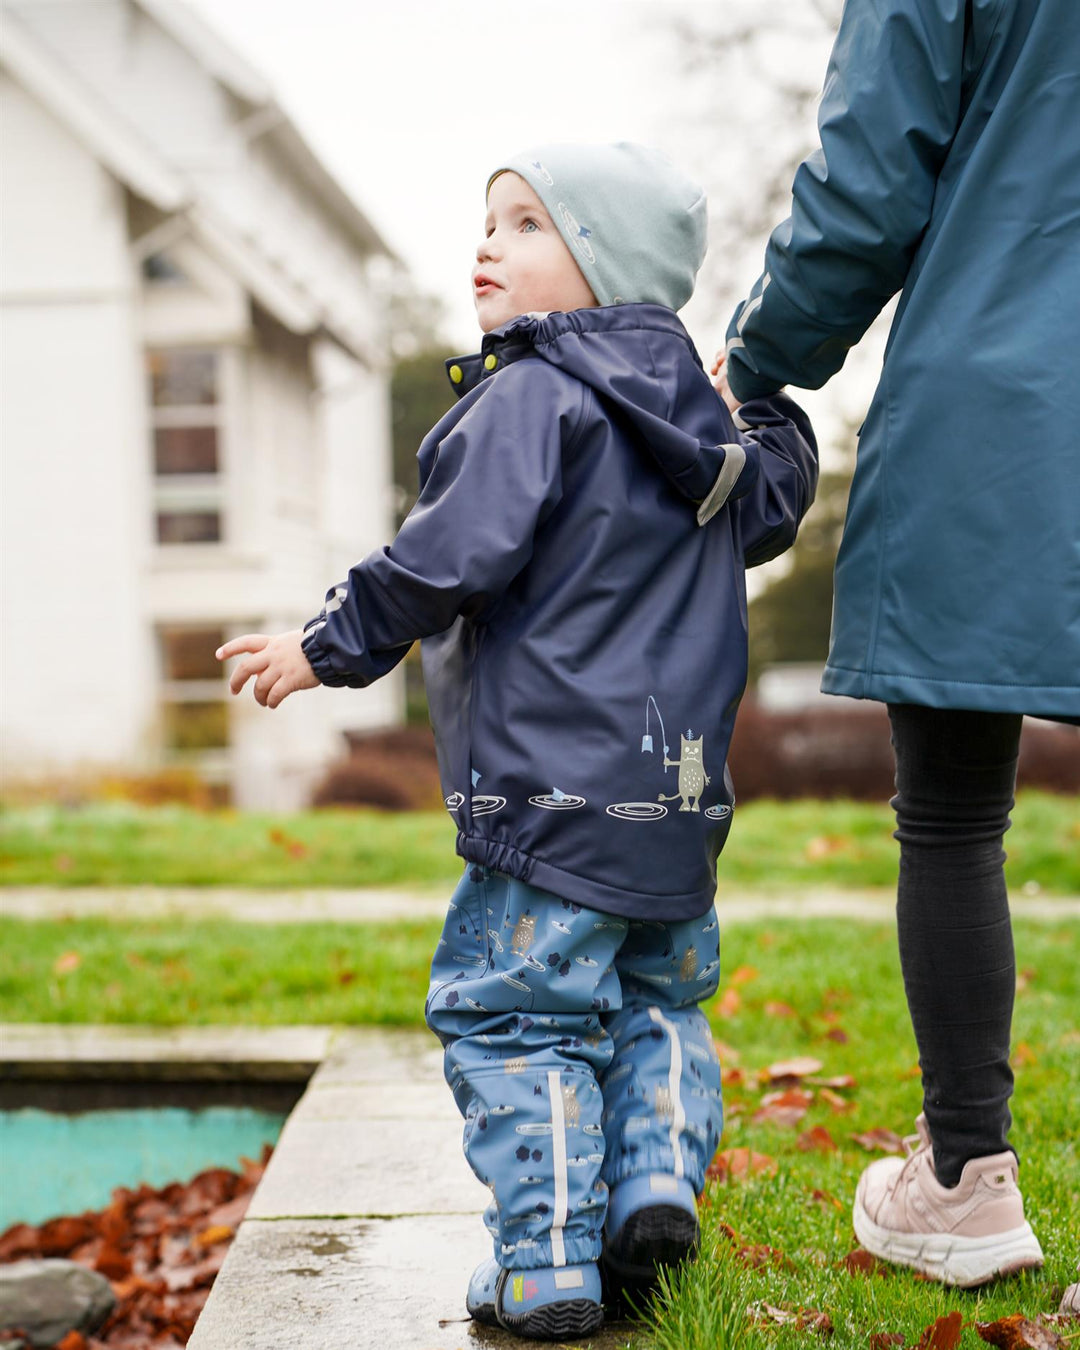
pixel 47 1299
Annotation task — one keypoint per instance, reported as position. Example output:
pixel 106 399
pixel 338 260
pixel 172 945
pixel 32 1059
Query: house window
pixel 195 712
pixel 186 416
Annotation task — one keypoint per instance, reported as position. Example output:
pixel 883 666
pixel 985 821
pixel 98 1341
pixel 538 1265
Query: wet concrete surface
pixel 358 1283
pixel 367 1224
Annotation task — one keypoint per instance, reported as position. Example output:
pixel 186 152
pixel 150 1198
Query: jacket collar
pixel 519 337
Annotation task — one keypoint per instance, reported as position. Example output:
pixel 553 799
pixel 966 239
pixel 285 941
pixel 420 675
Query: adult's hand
pixel 720 381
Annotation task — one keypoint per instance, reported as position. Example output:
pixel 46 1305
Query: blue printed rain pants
pixel 578 1055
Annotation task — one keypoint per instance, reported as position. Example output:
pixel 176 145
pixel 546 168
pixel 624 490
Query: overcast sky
pixel 411 103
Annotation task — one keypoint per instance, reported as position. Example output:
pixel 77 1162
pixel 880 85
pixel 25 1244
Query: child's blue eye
pixel 530 225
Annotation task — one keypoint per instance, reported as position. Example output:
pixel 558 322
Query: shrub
pixel 395 770
pixel 846 752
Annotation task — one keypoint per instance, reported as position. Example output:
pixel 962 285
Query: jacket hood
pixel 640 361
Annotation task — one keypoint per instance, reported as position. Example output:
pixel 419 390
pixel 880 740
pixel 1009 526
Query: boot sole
pixel 961 1261
pixel 561 1321
pixel 652 1239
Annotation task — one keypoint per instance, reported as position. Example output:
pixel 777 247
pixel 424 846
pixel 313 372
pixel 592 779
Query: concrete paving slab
pixel 379 906
pixel 394 1284
pixel 367 1223
pixel 358 1103
pixel 279 1054
pixel 322 905
pixel 333 1168
pixel 380 1055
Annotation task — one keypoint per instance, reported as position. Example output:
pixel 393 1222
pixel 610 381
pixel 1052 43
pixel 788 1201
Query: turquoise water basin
pixel 54 1163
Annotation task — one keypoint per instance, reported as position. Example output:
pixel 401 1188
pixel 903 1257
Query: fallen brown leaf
pixel 944 1334
pixel 862 1262
pixel 732 1078
pixel 743 975
pixel 726 1054
pixel 838 1105
pixel 728 1004
pixel 885 1340
pixel 733 1164
pixel 757 1254
pixel 842 1080
pixel 816 1140
pixel 826 1200
pixel 838 1036
pixel 824 845
pixel 779 1010
pixel 793 1068
pixel 74 1340
pixel 805 1319
pixel 113 1263
pixel 785 1108
pixel 66 962
pixel 879 1141
pixel 218 1232
pixel 1018 1333
pixel 1023 1055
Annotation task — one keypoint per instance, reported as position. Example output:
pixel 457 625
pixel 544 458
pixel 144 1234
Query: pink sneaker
pixel 963 1236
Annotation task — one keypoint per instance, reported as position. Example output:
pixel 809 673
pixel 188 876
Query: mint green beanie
pixel 634 223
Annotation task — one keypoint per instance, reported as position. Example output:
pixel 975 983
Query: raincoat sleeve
pixel 862 201
pixel 778 433
pixel 494 479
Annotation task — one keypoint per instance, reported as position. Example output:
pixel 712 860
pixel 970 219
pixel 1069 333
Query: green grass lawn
pixel 772 844
pixel 842 1003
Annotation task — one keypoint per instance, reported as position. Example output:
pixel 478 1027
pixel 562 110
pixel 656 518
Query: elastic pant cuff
pixel 652 1160
pixel 579 1251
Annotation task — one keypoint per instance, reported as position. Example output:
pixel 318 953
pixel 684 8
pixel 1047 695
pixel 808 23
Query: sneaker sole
pixel 651 1239
pixel 961 1261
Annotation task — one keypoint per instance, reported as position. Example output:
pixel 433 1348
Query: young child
pixel 575 566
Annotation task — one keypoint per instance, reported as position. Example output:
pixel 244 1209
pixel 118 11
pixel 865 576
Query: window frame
pixel 209 492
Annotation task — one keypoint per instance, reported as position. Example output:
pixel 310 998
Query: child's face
pixel 523 265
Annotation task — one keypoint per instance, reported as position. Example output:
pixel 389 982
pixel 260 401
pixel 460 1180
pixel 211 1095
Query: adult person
pixel 949 170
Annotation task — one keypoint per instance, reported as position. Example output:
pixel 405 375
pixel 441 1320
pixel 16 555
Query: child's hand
pixel 278 663
pixel 720 382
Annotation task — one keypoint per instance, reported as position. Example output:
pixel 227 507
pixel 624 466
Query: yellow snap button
pixel 457 374
pixel 490 361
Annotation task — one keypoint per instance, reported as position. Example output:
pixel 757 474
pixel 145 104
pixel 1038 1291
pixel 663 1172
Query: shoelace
pixel 912 1143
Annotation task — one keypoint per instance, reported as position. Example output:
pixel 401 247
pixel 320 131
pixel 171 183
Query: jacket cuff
pixel 318 658
pixel 744 384
pixel 737 476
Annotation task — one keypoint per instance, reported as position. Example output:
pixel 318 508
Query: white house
pixel 194 399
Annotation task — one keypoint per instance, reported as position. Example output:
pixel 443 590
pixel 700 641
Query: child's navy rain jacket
pixel 575 565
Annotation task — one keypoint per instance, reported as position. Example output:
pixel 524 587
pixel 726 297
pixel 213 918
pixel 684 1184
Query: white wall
pixel 76 658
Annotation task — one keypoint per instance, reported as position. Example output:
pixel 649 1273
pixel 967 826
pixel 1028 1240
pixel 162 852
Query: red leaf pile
pixel 159 1249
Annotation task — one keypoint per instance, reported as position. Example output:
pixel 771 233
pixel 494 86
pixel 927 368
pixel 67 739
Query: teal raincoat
pixel 949 170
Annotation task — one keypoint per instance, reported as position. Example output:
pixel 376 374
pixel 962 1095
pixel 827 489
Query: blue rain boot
pixel 544 1305
pixel 651 1224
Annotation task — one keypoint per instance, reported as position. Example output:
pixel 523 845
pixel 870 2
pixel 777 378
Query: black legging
pixel 955 776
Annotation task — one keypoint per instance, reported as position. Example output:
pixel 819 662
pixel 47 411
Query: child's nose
pixel 487 249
